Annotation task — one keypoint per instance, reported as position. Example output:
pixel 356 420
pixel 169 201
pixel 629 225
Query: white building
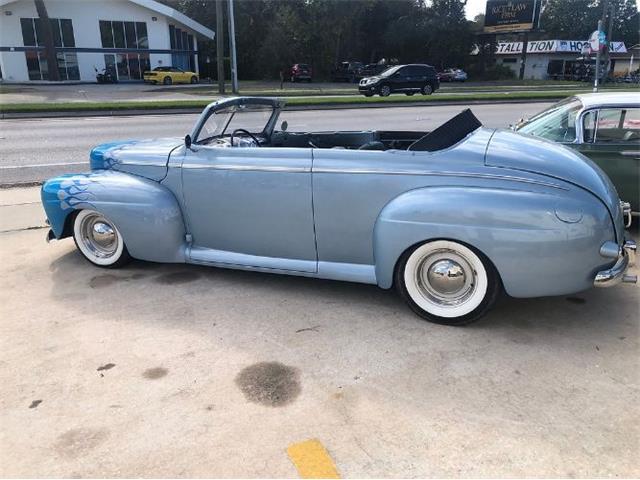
pixel 130 36
pixel 548 59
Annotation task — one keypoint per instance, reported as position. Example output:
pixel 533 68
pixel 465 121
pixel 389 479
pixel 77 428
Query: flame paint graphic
pixel 74 191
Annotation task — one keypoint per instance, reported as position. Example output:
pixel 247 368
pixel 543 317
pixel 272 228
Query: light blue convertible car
pixel 451 217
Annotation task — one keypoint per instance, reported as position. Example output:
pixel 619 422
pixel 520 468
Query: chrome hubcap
pixel 445 277
pixel 99 236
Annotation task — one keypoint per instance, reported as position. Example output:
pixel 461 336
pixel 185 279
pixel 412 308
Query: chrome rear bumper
pixel 618 273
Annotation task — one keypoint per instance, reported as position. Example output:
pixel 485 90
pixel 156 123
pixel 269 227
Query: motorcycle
pixel 106 75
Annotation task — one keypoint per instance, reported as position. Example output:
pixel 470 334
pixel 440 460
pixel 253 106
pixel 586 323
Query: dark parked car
pixel 408 79
pixel 372 69
pixel 300 72
pixel 347 72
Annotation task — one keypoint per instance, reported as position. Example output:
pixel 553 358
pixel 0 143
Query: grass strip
pixel 296 101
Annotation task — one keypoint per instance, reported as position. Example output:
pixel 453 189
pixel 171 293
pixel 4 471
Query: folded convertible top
pixel 448 134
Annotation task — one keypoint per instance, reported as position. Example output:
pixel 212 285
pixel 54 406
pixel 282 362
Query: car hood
pixel 147 158
pixel 508 149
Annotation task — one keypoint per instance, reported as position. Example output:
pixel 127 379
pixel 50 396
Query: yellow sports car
pixel 170 75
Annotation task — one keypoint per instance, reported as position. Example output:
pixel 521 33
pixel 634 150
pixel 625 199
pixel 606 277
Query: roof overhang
pixel 162 10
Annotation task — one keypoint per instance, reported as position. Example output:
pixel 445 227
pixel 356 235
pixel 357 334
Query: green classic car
pixel 604 127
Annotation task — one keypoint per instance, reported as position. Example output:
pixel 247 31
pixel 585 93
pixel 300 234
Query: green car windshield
pixel 556 123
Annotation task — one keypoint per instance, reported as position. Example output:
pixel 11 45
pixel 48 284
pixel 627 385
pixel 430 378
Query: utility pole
pixel 220 45
pixel 232 48
pixel 523 58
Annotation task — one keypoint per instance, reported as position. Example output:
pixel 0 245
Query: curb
pixel 325 106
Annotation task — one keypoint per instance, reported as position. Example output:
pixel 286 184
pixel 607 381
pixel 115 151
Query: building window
pixel 117 34
pixel 127 66
pixel 181 40
pixel 106 34
pixel 33 36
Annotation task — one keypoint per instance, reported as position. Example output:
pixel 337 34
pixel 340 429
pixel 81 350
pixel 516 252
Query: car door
pixel 178 75
pixel 399 80
pixel 611 139
pixel 250 206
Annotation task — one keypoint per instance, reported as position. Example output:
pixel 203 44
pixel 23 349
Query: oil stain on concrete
pixel 271 384
pixel 102 281
pixel 106 280
pixel 155 373
pixel 107 366
pixel 175 278
pixel 77 442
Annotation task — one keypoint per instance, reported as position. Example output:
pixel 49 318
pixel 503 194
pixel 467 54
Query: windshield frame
pixel 275 104
pixel 565 106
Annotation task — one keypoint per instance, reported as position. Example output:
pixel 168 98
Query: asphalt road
pixel 32 150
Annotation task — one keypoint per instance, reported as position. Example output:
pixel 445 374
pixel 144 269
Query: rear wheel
pixel 427 89
pixel 194 79
pixel 385 91
pixel 167 81
pixel 99 240
pixel 447 282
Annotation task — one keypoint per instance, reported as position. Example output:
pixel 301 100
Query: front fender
pixel 541 243
pixel 145 212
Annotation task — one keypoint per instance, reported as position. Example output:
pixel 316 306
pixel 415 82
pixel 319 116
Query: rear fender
pixel 535 252
pixel 145 212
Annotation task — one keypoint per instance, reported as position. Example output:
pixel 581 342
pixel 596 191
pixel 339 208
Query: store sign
pixel 553 46
pixel 509 15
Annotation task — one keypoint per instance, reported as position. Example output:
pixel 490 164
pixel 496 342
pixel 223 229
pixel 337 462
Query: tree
pixel 576 19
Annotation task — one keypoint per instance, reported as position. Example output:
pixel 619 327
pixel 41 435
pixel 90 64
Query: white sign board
pixel 553 46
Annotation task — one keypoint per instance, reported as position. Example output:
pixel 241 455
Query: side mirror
pixel 284 126
pixel 187 141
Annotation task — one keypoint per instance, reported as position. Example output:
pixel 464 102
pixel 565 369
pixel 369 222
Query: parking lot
pixel 185 371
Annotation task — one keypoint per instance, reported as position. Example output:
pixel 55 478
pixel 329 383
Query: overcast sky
pixel 474 7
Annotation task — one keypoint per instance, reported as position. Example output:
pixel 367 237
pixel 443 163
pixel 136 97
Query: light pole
pixel 596 75
pixel 232 48
pixel 220 45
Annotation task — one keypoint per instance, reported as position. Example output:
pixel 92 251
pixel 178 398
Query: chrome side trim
pixel 247 168
pixel 631 153
pixel 143 164
pixel 439 174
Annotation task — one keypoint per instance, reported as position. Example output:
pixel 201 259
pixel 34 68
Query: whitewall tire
pixel 99 240
pixel 447 282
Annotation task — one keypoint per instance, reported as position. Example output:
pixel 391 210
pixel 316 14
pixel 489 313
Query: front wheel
pixel 99 240
pixel 194 79
pixel 167 81
pixel 447 282
pixel 385 91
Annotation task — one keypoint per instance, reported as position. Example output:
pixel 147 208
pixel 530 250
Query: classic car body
pixel 492 208
pixel 602 126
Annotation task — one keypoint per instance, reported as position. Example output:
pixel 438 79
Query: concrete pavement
pixel 184 371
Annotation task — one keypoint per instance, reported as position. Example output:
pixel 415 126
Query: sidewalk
pixel 20 209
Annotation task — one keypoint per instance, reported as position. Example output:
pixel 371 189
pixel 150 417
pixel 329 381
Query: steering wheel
pixel 242 130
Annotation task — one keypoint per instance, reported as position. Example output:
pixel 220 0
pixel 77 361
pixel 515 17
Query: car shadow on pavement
pixel 596 313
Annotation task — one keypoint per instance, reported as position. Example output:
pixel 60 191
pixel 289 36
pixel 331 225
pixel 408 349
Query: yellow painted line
pixel 312 460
